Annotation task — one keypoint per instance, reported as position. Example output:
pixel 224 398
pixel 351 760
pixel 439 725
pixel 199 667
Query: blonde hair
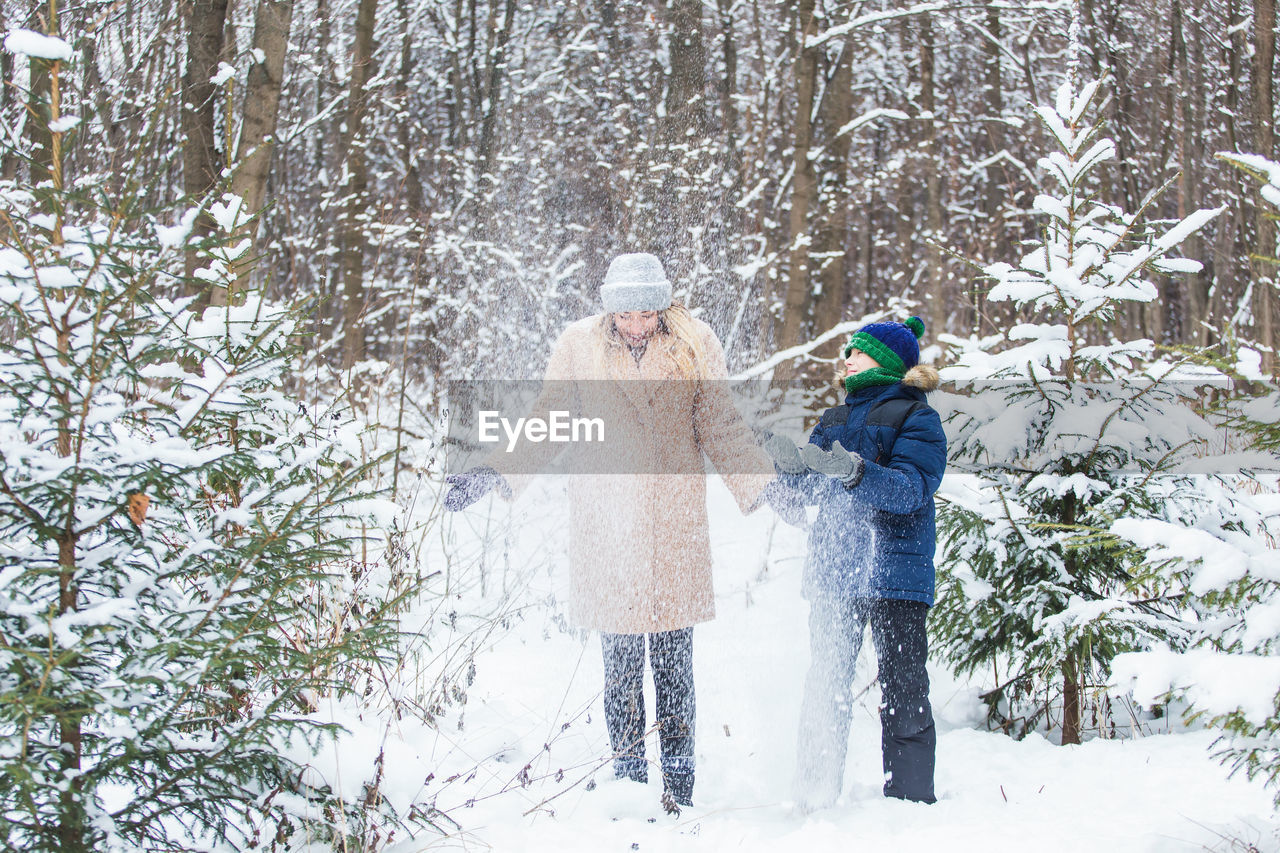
pixel 684 344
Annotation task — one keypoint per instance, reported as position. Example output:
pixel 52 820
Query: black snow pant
pixel 671 656
pixel 908 739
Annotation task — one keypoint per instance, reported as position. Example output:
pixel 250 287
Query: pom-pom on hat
pixel 896 346
pixel 635 282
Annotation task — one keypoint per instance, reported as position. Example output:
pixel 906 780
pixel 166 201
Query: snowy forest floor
pixel 513 765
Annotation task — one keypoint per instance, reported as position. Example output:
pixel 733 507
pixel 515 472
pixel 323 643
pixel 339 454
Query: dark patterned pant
pixel 671 656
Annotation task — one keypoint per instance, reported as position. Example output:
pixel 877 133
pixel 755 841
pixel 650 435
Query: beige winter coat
pixel 640 553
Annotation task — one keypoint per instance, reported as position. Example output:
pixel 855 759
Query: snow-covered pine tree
pixel 172 532
pixel 1065 429
pixel 1229 562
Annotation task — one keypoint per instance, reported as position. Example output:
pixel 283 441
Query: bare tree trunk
pixel 71 822
pixel 1122 115
pixel 455 98
pixel 832 240
pixel 258 125
pixel 1091 37
pixel 1124 110
pixel 1070 699
pixel 685 103
pixel 496 59
pixel 357 173
pixel 1264 50
pixel 728 90
pixel 754 171
pixel 230 50
pixel 1236 49
pixel 998 183
pixel 934 279
pixel 95 91
pixel 729 222
pixel 609 18
pixel 804 185
pixel 38 118
pixel 1195 305
pixel 905 229
pixel 760 133
pixel 994 103
pixel 8 157
pixel 201 168
pixel 871 222
pixel 330 158
pixel 1232 225
pixel 408 146
pixel 471 68
pixel 682 131
pixel 1160 315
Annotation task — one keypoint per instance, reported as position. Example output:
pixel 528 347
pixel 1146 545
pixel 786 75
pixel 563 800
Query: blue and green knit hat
pixel 896 346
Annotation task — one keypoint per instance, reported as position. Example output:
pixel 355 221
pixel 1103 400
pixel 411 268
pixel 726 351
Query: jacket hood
pixel 922 376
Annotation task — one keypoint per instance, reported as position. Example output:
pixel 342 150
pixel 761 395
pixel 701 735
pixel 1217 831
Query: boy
pixel 872 467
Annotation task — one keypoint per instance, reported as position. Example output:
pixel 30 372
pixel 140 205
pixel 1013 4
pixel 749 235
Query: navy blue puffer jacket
pixel 877 540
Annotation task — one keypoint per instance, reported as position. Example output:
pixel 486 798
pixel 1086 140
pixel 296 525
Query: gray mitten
pixel 470 486
pixel 784 454
pixel 836 462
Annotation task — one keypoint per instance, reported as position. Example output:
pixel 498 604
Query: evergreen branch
pixel 1129 402
pixel 1008 514
pixel 30 512
pixel 1128 228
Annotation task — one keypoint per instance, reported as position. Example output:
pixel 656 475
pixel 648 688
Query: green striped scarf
pixel 867 378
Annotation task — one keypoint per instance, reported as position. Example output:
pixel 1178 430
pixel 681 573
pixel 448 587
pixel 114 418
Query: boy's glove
pixel 784 454
pixel 471 485
pixel 834 463
pixel 786 502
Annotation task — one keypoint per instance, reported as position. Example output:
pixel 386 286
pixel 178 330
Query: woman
pixel 640 554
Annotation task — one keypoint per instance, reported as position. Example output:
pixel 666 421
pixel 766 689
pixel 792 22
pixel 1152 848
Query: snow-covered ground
pixel 522 766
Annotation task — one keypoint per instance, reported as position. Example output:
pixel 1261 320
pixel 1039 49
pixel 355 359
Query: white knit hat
pixel 635 282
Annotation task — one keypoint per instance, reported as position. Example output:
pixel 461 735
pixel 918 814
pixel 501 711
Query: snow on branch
pixel 1217 683
pixel 37 45
pixel 870 116
pixel 848 327
pixel 873 18
pixel 799 350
